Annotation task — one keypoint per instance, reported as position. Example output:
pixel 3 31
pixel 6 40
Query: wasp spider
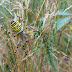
pixel 18 31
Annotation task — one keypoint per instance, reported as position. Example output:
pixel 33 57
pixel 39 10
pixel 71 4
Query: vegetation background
pixel 50 50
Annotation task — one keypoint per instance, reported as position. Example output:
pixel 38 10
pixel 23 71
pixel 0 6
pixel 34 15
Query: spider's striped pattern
pixel 16 27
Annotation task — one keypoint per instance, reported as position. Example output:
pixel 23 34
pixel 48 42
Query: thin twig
pixel 67 8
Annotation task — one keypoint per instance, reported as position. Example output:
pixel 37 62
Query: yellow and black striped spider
pixel 18 30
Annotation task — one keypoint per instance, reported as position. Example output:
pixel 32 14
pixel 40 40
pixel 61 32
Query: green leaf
pixel 61 12
pixel 61 22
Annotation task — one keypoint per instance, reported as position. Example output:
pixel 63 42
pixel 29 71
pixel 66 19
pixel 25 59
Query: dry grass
pixel 50 51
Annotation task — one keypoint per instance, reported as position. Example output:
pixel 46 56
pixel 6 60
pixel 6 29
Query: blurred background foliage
pixel 50 20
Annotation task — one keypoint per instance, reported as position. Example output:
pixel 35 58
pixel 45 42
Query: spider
pixel 18 30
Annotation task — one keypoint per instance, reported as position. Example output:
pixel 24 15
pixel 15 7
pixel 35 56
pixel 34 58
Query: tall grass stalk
pixel 41 52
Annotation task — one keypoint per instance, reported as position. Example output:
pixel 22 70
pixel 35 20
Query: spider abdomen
pixel 16 27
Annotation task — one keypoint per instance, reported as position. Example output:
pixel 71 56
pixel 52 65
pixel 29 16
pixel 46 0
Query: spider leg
pixel 31 35
pixel 7 31
pixel 21 19
pixel 23 44
pixel 17 43
pixel 22 36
